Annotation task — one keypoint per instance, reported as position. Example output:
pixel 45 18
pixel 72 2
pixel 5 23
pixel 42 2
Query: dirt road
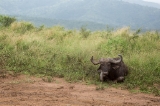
pixel 31 91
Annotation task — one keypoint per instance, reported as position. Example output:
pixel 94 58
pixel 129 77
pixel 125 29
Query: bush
pixel 84 32
pixel 22 27
pixel 59 52
pixel 6 21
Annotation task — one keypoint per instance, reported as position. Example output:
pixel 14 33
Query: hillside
pixel 144 3
pixel 104 12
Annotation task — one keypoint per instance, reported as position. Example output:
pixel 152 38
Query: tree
pixel 6 21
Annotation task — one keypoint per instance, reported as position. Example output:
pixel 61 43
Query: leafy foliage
pixel 6 21
pixel 84 32
pixel 64 53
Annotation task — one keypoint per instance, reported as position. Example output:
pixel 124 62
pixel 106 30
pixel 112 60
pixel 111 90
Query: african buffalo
pixel 111 68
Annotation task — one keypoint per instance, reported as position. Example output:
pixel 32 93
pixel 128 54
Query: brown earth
pixel 31 91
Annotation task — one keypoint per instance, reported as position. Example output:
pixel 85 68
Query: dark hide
pixel 111 69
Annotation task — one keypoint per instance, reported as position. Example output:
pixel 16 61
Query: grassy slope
pixel 66 53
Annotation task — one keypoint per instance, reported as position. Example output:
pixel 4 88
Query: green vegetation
pixel 6 21
pixel 57 52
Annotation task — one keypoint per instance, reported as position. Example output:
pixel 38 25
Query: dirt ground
pixel 32 91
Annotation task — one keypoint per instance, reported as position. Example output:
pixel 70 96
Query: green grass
pixel 57 52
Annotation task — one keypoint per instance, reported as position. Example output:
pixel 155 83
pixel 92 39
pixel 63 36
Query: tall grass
pixel 65 53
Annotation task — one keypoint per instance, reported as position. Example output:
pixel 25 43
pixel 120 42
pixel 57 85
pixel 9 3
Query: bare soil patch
pixel 31 91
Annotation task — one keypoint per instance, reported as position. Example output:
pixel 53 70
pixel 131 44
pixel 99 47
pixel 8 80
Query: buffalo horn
pixel 102 60
pixel 115 60
pixel 94 62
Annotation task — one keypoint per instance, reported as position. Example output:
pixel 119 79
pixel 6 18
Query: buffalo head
pixel 110 68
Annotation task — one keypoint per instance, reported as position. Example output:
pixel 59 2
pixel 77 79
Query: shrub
pixel 6 21
pixel 84 32
pixel 59 52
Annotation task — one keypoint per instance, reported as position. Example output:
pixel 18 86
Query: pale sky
pixel 156 1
